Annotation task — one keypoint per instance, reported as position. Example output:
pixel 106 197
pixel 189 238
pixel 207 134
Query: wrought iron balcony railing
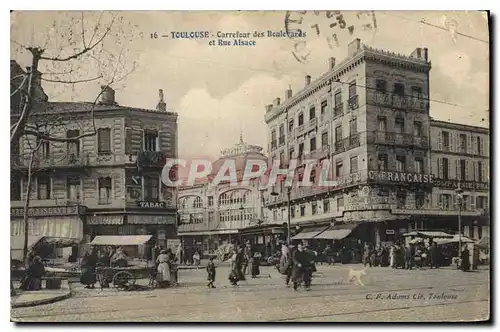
pixel 392 138
pixel 352 103
pixel 391 100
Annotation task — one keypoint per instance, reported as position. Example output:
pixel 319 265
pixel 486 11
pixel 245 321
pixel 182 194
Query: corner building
pixel 369 116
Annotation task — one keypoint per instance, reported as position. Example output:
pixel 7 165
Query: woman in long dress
pixel 163 275
pixel 393 257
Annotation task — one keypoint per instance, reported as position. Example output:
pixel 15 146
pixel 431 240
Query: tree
pixel 77 49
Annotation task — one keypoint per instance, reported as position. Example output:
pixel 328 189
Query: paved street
pixel 388 296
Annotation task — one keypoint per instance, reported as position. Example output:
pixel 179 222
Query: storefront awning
pixel 145 219
pixel 337 232
pixel 120 240
pixel 70 227
pixel 17 244
pixel 455 239
pixel 309 233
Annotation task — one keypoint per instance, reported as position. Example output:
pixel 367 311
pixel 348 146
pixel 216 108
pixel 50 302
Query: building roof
pixel 458 126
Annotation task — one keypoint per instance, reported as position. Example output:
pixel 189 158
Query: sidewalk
pixel 43 296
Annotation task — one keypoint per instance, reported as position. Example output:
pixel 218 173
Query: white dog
pixel 355 275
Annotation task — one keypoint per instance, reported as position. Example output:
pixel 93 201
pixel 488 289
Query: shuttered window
pixel 104 140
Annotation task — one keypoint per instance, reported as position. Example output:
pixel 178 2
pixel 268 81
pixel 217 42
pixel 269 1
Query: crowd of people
pixel 105 257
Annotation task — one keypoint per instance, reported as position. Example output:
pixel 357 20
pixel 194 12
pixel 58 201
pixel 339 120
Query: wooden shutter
pixel 454 203
pixel 469 143
pixel 458 176
pixel 486 171
pixel 133 141
pixel 167 142
pixel 483 151
pixel 450 163
pixel 476 170
pixel 440 168
pixel 451 137
pixel 440 141
pixel 467 170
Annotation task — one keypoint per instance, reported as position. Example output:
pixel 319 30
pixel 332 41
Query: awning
pixel 145 219
pixel 105 219
pixel 120 240
pixel 484 242
pixel 455 239
pixel 70 227
pixel 309 233
pixel 336 232
pixel 17 244
pixel 430 234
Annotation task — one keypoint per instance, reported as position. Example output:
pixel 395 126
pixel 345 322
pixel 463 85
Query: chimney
pixel 162 105
pixel 288 93
pixel 308 80
pixel 107 96
pixel 420 53
pixel 332 62
pixel 277 101
pixel 269 108
pixel 354 47
pixel 426 54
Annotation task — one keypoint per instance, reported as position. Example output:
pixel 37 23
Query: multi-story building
pixel 107 183
pixel 460 159
pixel 212 214
pixel 369 117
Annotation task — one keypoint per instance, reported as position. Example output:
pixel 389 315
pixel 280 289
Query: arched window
pixel 198 203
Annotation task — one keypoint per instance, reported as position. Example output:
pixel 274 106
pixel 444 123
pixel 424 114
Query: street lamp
pixel 288 192
pixel 459 192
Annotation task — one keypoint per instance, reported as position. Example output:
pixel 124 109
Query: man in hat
pixel 302 268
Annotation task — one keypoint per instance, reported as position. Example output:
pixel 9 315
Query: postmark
pixel 336 27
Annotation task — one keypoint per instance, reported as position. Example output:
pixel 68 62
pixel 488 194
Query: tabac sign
pixel 400 177
pixel 151 205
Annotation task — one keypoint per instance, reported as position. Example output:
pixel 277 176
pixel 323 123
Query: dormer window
pixel 150 140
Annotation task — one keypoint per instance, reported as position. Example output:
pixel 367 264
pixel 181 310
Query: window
pixel 482 202
pixel 445 201
pixel 444 166
pixel 478 146
pixel 15 187
pixel 338 104
pixel 301 149
pixel 338 134
pixel 338 169
pixel 419 200
pixel 463 143
pixel 417 128
pixel 419 165
pixel 480 173
pixel 302 210
pixel 150 140
pixel 352 89
pixel 399 89
pixel 326 205
pixel 290 126
pixel 210 200
pixel 382 124
pixel 313 144
pixel 314 208
pixel 399 126
pixel 340 203
pixel 290 154
pixel 354 164
pixel 313 176
pixel 401 163
pixel 401 199
pixel 465 202
pixel 151 187
pixel 282 134
pixel 73 188
pixel 282 158
pixel 104 190
pixel 382 162
pixel 292 212
pixel 73 148
pixel 353 126
pixel 324 105
pixel 480 232
pixel 446 140
pixel 44 150
pixel 381 85
pixel 197 203
pixel 44 188
pixel 273 139
pixel 416 92
pixel 312 113
pixel 134 186
pixel 324 139
pixel 461 169
pixel 301 119
pixel 104 140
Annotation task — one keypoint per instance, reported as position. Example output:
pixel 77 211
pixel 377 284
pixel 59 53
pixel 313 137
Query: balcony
pixel 151 159
pixel 347 143
pixel 104 200
pixel 72 161
pixel 391 100
pixel 338 110
pixel 195 227
pixel 390 138
pixel 281 140
pixel 352 103
pixel 312 123
pixel 273 145
pixel 299 130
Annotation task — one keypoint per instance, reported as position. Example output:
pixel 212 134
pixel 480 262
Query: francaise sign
pixel 400 177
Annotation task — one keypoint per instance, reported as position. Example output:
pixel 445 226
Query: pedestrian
pixel 163 275
pixel 89 262
pixel 32 280
pixel 255 264
pixel 288 265
pixel 233 273
pixel 247 258
pixel 433 256
pixel 465 259
pixel 392 259
pixel 211 272
pixel 366 255
pixel 408 257
pixel 373 257
pixel 196 259
pixel 302 268
pixel 173 266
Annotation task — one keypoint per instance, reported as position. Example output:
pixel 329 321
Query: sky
pixel 220 92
